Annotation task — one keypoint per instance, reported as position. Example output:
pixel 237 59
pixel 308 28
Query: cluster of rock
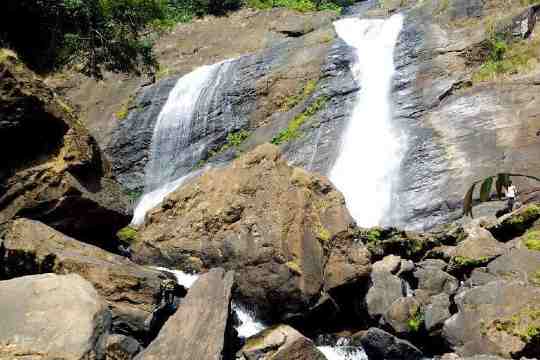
pixel 282 240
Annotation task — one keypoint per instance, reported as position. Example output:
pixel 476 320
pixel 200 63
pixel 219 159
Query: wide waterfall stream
pixel 364 171
pixel 371 149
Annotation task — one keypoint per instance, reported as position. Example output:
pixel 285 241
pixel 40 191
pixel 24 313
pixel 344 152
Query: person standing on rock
pixel 511 193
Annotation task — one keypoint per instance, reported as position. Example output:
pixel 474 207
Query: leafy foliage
pixel 416 322
pixel 127 234
pixel 292 131
pixel 502 181
pixel 95 35
pixel 508 58
pixel 301 5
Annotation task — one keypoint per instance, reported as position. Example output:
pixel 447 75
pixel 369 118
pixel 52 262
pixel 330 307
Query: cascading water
pixel 371 149
pixel 171 156
pixel 343 351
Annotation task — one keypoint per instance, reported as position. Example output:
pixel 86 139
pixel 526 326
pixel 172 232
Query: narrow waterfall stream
pixel 171 156
pixel 371 150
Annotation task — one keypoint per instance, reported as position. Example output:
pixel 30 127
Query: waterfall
pixel 172 156
pixel 371 149
pixel 249 325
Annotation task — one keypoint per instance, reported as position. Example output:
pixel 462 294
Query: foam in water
pixel 249 326
pixel 183 278
pixel 343 353
pixel 152 199
pixel 371 149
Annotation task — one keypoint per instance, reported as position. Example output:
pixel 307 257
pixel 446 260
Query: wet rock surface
pixel 38 314
pixel 260 93
pixel 379 344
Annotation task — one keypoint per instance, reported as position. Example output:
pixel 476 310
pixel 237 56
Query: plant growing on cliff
pixel 292 131
pixel 416 321
pixel 501 181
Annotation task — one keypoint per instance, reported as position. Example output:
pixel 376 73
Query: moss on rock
pixel 127 234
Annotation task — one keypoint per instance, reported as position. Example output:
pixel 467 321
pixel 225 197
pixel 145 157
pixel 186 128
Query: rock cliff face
pixel 260 93
pixel 457 130
pixel 55 171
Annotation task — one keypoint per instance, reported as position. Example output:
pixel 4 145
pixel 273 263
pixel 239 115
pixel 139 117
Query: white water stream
pixel 371 150
pixel 171 159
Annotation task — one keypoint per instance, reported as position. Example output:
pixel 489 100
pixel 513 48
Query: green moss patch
pixel 127 235
pixel 531 240
pixel 293 129
pixel 524 324
pixel 509 59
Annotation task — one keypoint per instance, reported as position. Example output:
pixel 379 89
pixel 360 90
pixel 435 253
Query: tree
pixel 93 35
pixel 502 181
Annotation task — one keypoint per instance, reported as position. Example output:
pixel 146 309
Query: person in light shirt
pixel 511 193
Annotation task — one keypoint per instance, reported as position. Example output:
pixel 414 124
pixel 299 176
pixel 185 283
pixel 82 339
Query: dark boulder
pixel 379 344
pixel 55 172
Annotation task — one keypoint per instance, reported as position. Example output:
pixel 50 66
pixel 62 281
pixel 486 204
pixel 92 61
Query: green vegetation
pixel 532 240
pixel 134 195
pixel 234 140
pixel 300 5
pixel 293 129
pixel 523 324
pixel 508 59
pixel 502 181
pixel 534 278
pixel 127 234
pixel 466 262
pixel 95 35
pixel 416 322
pixel 373 235
pixel 294 100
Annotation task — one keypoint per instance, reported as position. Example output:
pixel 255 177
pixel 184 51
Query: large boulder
pixel 499 318
pixel 199 327
pixel 434 280
pixel 519 264
pixel 274 224
pixel 55 171
pixel 478 248
pixel 52 317
pixel 378 344
pixel 30 247
pixel 121 347
pixel 516 223
pixel 385 289
pixel 279 343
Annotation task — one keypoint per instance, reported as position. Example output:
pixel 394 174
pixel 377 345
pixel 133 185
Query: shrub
pixel 292 131
pixel 532 240
pixel 127 234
